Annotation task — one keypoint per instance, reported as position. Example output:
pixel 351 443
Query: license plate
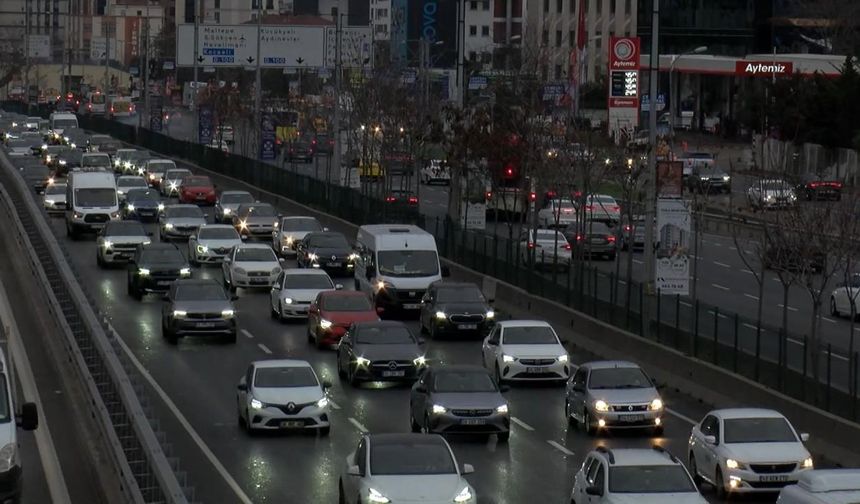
pixel 204 325
pixel 292 424
pixel 411 306
pixel 201 196
pixel 164 282
pixel 632 418
pixel 536 370
pixel 473 421
pixel 466 327
pixel 259 281
pixel 334 265
pixel 597 240
pixel 772 479
pixel 389 374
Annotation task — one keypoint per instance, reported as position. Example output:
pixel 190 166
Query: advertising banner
pixel 623 92
pixel 672 268
pixel 473 215
pixel 39 46
pixel 763 68
pixel 434 21
pixel 267 138
pixel 355 46
pixel 205 124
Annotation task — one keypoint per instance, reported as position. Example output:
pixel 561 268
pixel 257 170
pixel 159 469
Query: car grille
pixel 185 229
pixel 769 484
pixel 199 316
pixel 124 247
pixel 165 273
pixel 772 468
pixel 472 412
pixel 536 362
pixel 221 250
pixel 258 273
pixel 96 217
pixel 295 409
pixel 59 204
pixel 398 364
pixel 410 294
pixel 466 319
pixel 629 407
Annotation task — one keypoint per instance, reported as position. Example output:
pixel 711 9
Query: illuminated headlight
pixel 202 249
pixel 322 403
pixel 807 463
pixel 380 285
pixel 226 313
pixel 275 225
pixel 325 324
pixel 438 409
pixel 289 240
pixel 173 186
pixel 185 271
pixel 792 196
pixel 140 171
pixel 147 242
pixel 353 257
pixel 161 207
pixel 726 178
pixel 130 207
pixel 48 158
pixel 312 256
pixel 227 211
pixel 377 498
pixel 243 224
pixel 656 404
pixel 288 300
pixel 420 361
pixel 116 162
pixel 491 314
pixel 14 125
pixel 151 176
pixel 62 162
pixel 734 464
pixel 704 179
pixel 502 410
pixel 179 313
pixel 50 180
pixel 508 358
pixel 465 495
pixel 44 146
pixel 440 315
pixel 50 202
pixel 114 215
pixel 361 361
pixel 257 404
pixel 66 139
pixel 126 165
pixel 120 192
pixel 168 225
pixel 563 358
pixel 107 244
pixel 143 272
pixel 600 405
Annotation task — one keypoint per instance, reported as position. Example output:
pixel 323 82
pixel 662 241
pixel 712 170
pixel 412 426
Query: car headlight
pixel 502 410
pixel 656 404
pixel 275 225
pixel 44 146
pixel 243 224
pixel 420 360
pixel 50 202
pixel 146 242
pixel 312 256
pixel 563 358
pixel 508 358
pixel 807 463
pixel 734 464
pixel 226 313
pixel 185 271
pixel 107 244
pixel 120 192
pixel 441 315
pixel 143 271
pixel 257 404
pixel 704 179
pixel 62 162
pixel 276 270
pixel 322 403
pixel 130 207
pixel 241 271
pixel 202 249
pixel 8 457
pixel 126 165
pixel 289 240
pixel 288 300
pixel 226 211
pixel 491 314
pixel 361 361
pixel 66 139
pixel 173 185
pixel 73 146
pixel 168 225
pixel 376 497
pixel 726 178
pixel 465 495
pixel 325 324
pixel 179 313
pixel 380 285
pixel 48 158
pixel 114 215
pixel 438 409
pixel 600 405
pixel 161 207
pixel 353 257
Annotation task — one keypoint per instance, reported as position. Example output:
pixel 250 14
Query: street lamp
pixel 675 58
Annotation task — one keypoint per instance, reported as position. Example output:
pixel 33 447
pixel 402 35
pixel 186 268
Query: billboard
pixel 39 46
pixel 355 46
pixel 623 92
pixel 236 46
pixel 434 21
pixel 670 175
pixel 763 68
pixel 672 268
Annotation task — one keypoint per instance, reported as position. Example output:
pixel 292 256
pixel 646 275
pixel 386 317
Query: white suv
pixel 633 475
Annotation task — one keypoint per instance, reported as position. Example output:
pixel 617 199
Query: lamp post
pixel 675 58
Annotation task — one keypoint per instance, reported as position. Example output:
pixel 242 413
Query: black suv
pixel 455 307
pixel 154 267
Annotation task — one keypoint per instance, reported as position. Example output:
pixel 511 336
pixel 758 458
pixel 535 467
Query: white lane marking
pixel 721 287
pixel 264 348
pixel 184 422
pixel 333 404
pixel 44 442
pixel 357 424
pixel 637 261
pixel 796 342
pixel 750 326
pixel 247 333
pixel 724 265
pixel 622 282
pixel 828 320
pixel 790 308
pixel 751 296
pixel 559 447
pixel 776 279
pixel 720 315
pixel 684 303
pixel 732 248
pixel 681 416
pixel 840 357
pixel 747 271
pixel 522 424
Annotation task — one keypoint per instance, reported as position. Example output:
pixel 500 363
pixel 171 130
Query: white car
pixel 558 212
pixel 155 170
pixel 633 475
pixel 250 265
pixel 169 185
pixel 291 231
pixel 296 289
pixel 230 201
pixel 525 350
pixel 211 243
pixel 747 450
pixel 118 241
pixel 415 468
pixel 548 247
pixel 54 199
pixel 844 295
pixel 283 394
pixel 179 221
pixel 436 171
pixel 601 207
pixel 126 183
pixel 823 486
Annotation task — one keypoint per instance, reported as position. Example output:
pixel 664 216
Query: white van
pixel 823 486
pixel 396 264
pixel 91 201
pixel 10 471
pixel 61 121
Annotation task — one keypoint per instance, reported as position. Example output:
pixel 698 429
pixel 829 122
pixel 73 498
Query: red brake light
pixel 627 227
pixel 532 196
pixel 611 238
pixel 589 208
pixel 489 195
pixel 578 237
pixel 567 247
pixel 391 199
pixel 413 199
pixel 550 194
pixel 531 245
pixel 314 141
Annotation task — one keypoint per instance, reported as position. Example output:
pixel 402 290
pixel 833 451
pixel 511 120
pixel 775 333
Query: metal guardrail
pixel 116 401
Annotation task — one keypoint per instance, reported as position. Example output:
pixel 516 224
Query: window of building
pixel 217 4
pixel 545 37
pixel 559 6
pixel 546 5
pixel 217 17
pixel 558 72
pixel 572 38
pixel 485 6
pixel 558 38
pixel 485 31
pixel 473 5
pixel 473 30
pixel 599 6
pixel 270 4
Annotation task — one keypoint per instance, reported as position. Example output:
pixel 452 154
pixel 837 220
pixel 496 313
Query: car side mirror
pixel 492 342
pixel 338 286
pixel 234 297
pixel 804 436
pixel 504 388
pixel 244 237
pixel 243 387
pixel 467 469
pixel 353 471
pixel 29 419
pixel 446 272
pixel 228 260
pixel 325 229
pixel 326 384
pixel 594 490
pixel 711 440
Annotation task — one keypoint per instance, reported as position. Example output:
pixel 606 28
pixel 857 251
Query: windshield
pixel 56 189
pixel 301 281
pixel 131 182
pixel 459 295
pixel 160 166
pixel 300 225
pixel 775 185
pixel 328 241
pixel 200 292
pixel 140 156
pixel 95 161
pixel 125 229
pixel 142 195
pixel 98 99
pixel 464 381
pixel 255 255
pixel 225 233
pixel 258 211
pixel 184 212
pixel 598 228
pixel 196 181
pixel 346 303
pixel 616 378
pixel 411 457
pixel 408 263
pixel 236 198
pixel 177 174
pixel 758 430
pixel 4 401
pixel 65 123
pixel 538 335
pixel 270 377
pixel 96 197
pixel 550 236
pixel 21 143
pixel 649 479
pixel 387 335
pixel 563 203
pixel 162 255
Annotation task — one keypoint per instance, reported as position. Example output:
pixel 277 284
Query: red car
pixel 332 312
pixel 197 189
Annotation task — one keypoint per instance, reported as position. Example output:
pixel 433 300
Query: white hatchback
pixel 525 350
pixel 295 289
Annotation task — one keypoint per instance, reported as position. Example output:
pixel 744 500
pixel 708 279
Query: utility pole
pixel 145 69
pixel 258 116
pixel 194 86
pixel 106 29
pixel 338 144
pixel 650 179
pixel 27 49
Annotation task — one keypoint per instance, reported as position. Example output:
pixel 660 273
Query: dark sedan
pixel 68 160
pixel 323 144
pixel 455 307
pixel 198 308
pixel 36 175
pixel 300 150
pixel 379 351
pixel 815 187
pixel 142 204
pixel 327 250
pixel 598 239
pixel 401 199
pixel 707 179
pixel 154 268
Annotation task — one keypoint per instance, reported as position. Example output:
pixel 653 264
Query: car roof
pixel 405 438
pixel 610 364
pixel 459 368
pixel 830 480
pixel 302 271
pixel 279 363
pixel 504 324
pixel 730 413
pixel 258 246
pixel 640 456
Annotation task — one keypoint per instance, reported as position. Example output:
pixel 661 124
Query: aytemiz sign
pixel 624 53
pixel 763 68
pixel 623 92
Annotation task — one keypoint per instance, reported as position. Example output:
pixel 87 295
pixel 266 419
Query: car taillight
pixel 610 238
pixel 532 196
pixel 567 247
pixel 627 228
pixel 578 237
pixel 589 208
pixel 550 194
pixel 489 195
pixel 413 200
pixel 530 245
pixel 391 199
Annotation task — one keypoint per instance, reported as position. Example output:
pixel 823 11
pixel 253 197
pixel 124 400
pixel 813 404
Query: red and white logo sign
pixel 624 53
pixel 763 68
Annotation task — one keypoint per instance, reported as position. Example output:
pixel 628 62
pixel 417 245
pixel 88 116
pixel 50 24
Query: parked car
pixel 814 187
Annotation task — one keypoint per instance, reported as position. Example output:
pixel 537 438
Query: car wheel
pixel 340 373
pixel 833 310
pixel 587 424
pixel 434 332
pixel 694 470
pixel 281 317
pixel 231 338
pixel 498 374
pixel 350 376
pixel 169 335
pixel 719 485
pixel 413 425
pixel 425 427
pixel 324 431
pixel 570 420
pixel 503 436
pixel 192 258
pixel 658 431
pixel 248 428
pixel 99 260
pixel 611 256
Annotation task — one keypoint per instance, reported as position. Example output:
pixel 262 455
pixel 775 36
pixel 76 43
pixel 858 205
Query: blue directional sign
pixel 205 124
pixel 267 138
